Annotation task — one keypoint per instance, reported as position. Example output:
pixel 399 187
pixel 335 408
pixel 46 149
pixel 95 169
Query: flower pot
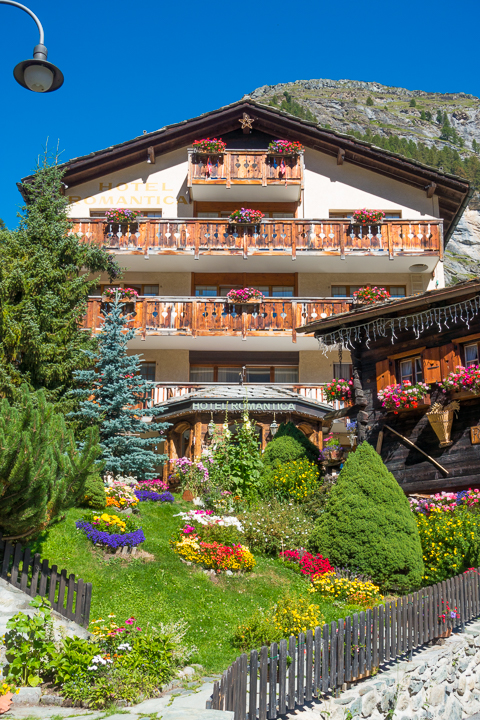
pixel 5 702
pixel 250 301
pixel 446 633
pixel 441 422
pixel 187 495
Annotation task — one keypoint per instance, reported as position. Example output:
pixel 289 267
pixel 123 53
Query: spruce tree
pixel 110 392
pixel 368 525
pixel 42 473
pixel 44 285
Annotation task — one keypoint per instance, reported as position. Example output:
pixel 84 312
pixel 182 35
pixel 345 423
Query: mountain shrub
pixel 272 526
pixel 368 525
pixel 311 451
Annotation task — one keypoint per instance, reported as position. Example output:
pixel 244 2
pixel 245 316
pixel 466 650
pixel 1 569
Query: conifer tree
pixel 44 285
pixel 368 524
pixel 111 391
pixel 42 473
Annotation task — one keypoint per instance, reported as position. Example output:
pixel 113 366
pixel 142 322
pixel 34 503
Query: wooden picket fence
pixel 35 577
pixel 291 673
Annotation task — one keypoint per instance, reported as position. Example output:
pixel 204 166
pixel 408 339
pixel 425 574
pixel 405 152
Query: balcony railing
pixel 273 317
pixel 195 236
pixel 160 392
pixel 244 167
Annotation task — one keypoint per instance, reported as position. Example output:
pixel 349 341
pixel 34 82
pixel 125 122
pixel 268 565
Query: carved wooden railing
pixel 244 167
pixel 215 316
pixel 197 236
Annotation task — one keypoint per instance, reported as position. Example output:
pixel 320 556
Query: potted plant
pixel 441 420
pixel 209 147
pixel 367 217
pixel 121 216
pixel 370 295
pixel 404 396
pixel 463 380
pixel 285 147
pixel 123 294
pixel 246 216
pixel 332 450
pixel 338 389
pixel 245 296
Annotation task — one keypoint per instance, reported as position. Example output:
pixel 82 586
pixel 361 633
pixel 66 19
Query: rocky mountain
pixel 442 129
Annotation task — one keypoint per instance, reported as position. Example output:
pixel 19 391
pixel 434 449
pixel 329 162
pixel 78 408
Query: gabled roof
pixel 453 192
pixel 391 308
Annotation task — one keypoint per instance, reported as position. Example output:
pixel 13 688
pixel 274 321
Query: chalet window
pixel 347 214
pixel 396 291
pixel 471 355
pixel 206 290
pixel 142 213
pixel 411 369
pixel 147 371
pixel 342 371
pixel 281 291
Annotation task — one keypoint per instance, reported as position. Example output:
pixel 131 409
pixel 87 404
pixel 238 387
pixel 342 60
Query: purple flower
pixel 131 539
pixel 143 495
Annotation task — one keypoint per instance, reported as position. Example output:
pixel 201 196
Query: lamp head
pixel 38 74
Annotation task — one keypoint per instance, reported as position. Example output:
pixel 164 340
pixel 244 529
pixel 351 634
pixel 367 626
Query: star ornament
pixel 246 122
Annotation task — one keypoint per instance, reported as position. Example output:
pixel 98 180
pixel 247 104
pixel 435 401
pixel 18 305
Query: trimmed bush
pixel 285 449
pixel 311 451
pixel 368 525
pixel 95 493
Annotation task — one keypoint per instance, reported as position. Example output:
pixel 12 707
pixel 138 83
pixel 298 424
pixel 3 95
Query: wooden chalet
pixel 436 445
pixel 182 253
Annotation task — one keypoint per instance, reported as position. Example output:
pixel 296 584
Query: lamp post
pixel 36 74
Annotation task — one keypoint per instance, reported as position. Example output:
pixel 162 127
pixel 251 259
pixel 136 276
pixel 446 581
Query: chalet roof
pixel 254 393
pixel 391 308
pixel 453 192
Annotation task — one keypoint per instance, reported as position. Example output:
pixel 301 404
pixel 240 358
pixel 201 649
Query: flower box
pixel 370 295
pixel 367 217
pixel 463 395
pixel 215 146
pixel 423 403
pixel 405 396
pixel 121 216
pixel 246 216
pixel 463 383
pixel 246 296
pixel 285 147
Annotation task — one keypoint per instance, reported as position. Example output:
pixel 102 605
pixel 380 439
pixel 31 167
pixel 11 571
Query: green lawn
pixel 167 590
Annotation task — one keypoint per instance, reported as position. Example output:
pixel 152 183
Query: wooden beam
pixel 340 156
pixel 431 189
pixel 409 442
pixel 151 155
pixel 379 442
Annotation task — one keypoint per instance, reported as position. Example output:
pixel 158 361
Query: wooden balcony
pixel 273 317
pixel 244 168
pixel 284 237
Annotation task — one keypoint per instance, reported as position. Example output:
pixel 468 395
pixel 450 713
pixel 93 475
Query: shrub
pixel 297 479
pixel 271 526
pixel 94 493
pixel 311 451
pixel 355 592
pixel 450 542
pixel 368 524
pixel 291 615
pixel 29 645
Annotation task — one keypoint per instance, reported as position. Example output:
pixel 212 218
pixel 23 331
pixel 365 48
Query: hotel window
pixel 206 290
pixel 142 290
pixel 224 214
pixel 411 369
pixel 253 374
pixel 229 374
pixel 257 375
pixel 286 374
pixel 471 355
pixel 347 214
pixel 202 374
pixel 142 213
pixel 396 291
pixel 273 291
pixel 342 371
pixel 147 371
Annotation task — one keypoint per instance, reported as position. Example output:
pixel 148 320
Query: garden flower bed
pixel 308 564
pixel 354 591
pixel 111 532
pixel 143 495
pixel 120 495
pixel 215 556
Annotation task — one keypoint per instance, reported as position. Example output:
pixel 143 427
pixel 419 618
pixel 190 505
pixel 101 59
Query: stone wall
pixel 440 683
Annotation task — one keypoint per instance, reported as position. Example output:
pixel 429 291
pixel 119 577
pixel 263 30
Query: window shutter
pixel 417 284
pixel 431 365
pixel 449 358
pixel 383 374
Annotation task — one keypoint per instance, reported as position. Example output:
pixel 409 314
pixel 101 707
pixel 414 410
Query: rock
pixel 453 709
pixel 356 707
pixel 228 572
pixel 387 701
pixel 436 695
pixel 462 685
pixel 364 689
pixel 197 666
pixel 402 702
pixel 188 671
pixel 344 699
pixel 27 696
pixel 51 700
pixel 440 675
pixel 415 686
pixel 417 701
pixel 369 703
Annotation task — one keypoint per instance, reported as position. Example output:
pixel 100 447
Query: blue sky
pixel 134 66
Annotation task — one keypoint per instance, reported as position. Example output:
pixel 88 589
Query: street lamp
pixel 37 74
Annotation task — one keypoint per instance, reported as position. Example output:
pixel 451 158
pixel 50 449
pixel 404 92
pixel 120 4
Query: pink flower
pixel 130 621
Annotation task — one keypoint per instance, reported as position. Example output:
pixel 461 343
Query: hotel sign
pixel 238 407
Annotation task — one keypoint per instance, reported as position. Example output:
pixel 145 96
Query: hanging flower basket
pixel 246 296
pixel 285 147
pixel 123 294
pixel 209 147
pixel 370 295
pixel 441 419
pixel 338 390
pixel 246 216
pixel 404 396
pixel 367 217
pixel 121 216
